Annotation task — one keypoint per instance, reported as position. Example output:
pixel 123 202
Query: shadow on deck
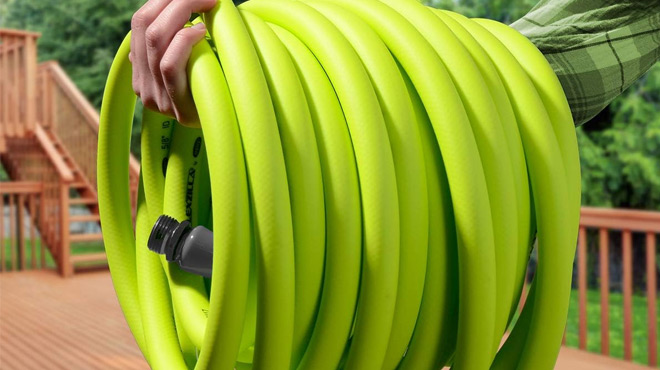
pixel 47 322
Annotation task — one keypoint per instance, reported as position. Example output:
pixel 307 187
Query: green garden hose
pixel 374 172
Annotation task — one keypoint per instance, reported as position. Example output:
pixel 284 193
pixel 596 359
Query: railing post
pixel 3 107
pixel 604 254
pixel 46 98
pixel 30 59
pixel 15 105
pixel 8 82
pixel 66 269
pixel 12 232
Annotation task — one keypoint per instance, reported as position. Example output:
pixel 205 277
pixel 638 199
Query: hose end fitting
pixel 165 236
pixel 191 248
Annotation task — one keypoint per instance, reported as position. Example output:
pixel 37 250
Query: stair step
pixel 89 257
pixel 82 201
pixel 84 218
pixel 77 238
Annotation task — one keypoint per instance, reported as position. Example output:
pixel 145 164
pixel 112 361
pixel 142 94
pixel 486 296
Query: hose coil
pixel 378 172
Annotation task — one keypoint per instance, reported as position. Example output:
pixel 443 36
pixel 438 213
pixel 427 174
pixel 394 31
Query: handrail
pixel 23 187
pixel 621 219
pixel 72 91
pixel 62 169
pixel 18 33
pixel 83 106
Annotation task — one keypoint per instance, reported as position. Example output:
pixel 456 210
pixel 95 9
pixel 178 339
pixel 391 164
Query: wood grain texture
pixel 47 322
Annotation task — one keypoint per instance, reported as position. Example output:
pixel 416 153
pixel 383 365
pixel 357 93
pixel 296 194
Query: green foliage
pixel 505 11
pixel 3 11
pixel 621 158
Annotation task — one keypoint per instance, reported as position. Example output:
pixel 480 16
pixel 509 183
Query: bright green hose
pixel 378 171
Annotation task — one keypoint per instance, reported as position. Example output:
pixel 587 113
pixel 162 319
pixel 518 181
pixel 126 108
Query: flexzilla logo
pixel 190 185
pixel 197 147
pixel 189 191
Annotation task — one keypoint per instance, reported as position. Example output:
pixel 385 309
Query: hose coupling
pixel 191 248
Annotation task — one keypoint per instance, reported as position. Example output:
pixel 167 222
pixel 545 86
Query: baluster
pixel 33 226
pixel 627 295
pixel 42 223
pixel 3 266
pixel 582 287
pixel 12 232
pixel 650 298
pixel 21 230
pixel 604 241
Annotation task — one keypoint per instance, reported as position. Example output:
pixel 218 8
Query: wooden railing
pixel 75 122
pixel 628 223
pixel 24 205
pixel 28 160
pixel 18 74
pixel 49 134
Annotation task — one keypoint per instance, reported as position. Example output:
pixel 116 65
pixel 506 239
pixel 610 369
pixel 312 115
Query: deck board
pixel 575 359
pixel 47 322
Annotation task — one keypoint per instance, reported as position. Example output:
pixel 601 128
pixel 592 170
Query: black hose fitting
pixel 191 248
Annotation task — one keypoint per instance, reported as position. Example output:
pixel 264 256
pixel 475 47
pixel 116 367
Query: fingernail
pixel 199 26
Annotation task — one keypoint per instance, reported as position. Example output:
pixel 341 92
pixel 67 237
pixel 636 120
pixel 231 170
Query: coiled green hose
pixel 374 173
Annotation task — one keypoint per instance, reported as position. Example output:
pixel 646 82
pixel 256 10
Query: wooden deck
pixel 47 322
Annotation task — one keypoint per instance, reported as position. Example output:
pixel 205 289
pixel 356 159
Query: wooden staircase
pixel 48 135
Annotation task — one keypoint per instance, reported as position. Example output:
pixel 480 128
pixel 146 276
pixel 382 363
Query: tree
pixel 620 149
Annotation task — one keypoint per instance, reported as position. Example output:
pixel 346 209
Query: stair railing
pixel 75 122
pixel 48 134
pixel 21 246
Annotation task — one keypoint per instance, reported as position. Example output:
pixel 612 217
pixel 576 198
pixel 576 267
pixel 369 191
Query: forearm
pixel 597 48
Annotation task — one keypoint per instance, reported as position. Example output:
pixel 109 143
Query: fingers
pixel 142 79
pixel 161 31
pixel 173 71
pixel 155 27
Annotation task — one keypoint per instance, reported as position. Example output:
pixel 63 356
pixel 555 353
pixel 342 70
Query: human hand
pixel 160 48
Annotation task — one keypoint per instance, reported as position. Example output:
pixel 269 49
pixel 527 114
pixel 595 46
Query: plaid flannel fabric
pixel 597 48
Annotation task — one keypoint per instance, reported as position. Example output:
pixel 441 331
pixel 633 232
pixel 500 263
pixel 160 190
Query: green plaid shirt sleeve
pixel 597 48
